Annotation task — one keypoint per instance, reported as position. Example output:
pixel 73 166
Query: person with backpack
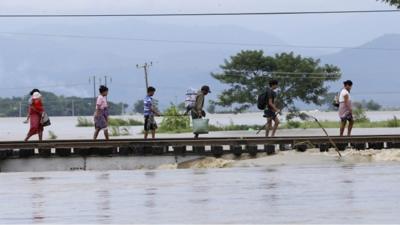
pixel 197 111
pixel 345 108
pixel 190 100
pixel 266 102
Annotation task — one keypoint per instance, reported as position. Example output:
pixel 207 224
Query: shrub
pixel 84 122
pixel 119 131
pixel 174 122
pixel 52 135
pixel 116 122
pixel 360 115
pixel 293 124
pixel 393 122
pixel 133 122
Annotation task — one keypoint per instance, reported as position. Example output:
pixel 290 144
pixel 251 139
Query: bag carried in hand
pixel 335 102
pixel 200 126
pixel 45 120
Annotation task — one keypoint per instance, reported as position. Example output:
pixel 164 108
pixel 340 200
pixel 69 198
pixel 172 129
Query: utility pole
pixel 145 66
pixel 107 79
pixel 93 80
pixel 20 109
pixel 73 107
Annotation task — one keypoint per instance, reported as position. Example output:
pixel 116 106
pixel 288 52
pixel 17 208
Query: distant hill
pixel 31 61
pixel 376 74
pixel 27 61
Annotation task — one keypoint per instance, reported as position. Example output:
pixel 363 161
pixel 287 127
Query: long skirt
pixel 344 112
pixel 35 125
pixel 101 121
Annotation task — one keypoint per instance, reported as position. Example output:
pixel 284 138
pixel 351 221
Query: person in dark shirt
pixel 271 113
pixel 197 110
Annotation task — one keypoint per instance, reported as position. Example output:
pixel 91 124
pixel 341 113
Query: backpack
pixel 262 101
pixel 190 98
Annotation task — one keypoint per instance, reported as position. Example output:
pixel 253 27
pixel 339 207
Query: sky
pixel 350 30
pixel 301 30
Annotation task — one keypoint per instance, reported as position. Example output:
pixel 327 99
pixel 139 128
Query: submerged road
pixel 181 145
pixel 201 141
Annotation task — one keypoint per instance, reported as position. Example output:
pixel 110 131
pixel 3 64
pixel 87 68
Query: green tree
pixel 211 107
pixel 300 79
pixel 392 2
pixel 56 105
pixel 370 105
pixel 328 101
pixel 359 114
pixel 373 106
pixel 138 106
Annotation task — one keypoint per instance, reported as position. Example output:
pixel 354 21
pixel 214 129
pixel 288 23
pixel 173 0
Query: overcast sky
pixel 343 30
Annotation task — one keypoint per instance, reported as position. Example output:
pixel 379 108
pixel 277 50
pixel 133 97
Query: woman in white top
pixel 345 108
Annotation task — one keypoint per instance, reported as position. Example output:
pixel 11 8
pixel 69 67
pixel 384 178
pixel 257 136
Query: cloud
pixel 141 6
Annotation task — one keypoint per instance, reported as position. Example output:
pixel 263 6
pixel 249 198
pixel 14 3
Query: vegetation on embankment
pixel 392 123
pixel 173 122
pixel 112 122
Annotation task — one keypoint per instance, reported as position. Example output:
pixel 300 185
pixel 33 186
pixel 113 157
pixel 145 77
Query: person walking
pixel 345 108
pixel 271 113
pixel 149 112
pixel 30 103
pixel 197 111
pixel 36 111
pixel 101 114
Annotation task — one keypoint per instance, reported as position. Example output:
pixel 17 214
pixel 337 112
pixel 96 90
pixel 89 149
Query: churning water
pixel 363 187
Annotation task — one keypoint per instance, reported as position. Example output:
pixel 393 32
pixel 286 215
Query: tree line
pixel 56 105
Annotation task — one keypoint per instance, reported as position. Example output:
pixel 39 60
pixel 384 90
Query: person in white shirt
pixel 345 108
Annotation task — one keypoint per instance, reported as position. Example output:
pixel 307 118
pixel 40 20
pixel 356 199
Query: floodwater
pixel 289 187
pixel 65 127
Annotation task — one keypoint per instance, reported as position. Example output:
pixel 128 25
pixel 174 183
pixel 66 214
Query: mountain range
pixel 61 58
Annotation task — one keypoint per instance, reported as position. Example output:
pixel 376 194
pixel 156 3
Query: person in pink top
pixel 101 114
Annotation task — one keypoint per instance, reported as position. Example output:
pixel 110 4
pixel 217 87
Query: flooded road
pixel 329 191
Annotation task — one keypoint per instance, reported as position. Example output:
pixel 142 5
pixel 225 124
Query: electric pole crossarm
pixel 145 67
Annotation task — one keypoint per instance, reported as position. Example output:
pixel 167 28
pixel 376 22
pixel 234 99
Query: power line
pixel 201 14
pixel 75 36
pixel 44 86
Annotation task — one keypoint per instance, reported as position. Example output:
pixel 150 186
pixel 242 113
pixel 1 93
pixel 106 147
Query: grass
pixel 392 123
pixel 234 127
pixel 113 122
pixel 84 122
pixel 52 135
pixel 119 131
pixel 124 122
